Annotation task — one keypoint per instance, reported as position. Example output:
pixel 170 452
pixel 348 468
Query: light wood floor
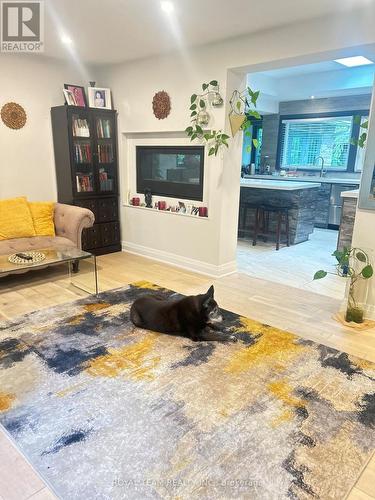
pixel 295 265
pixel 303 312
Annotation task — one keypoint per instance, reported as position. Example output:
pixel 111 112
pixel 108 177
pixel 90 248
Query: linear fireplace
pixel 174 171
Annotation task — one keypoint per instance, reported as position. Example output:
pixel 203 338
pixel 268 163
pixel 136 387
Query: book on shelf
pixel 105 183
pixel 80 127
pixel 105 153
pixel 84 183
pixel 103 128
pixel 82 153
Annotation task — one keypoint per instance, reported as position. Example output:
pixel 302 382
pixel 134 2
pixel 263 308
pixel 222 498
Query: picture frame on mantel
pixel 99 97
pixel 366 198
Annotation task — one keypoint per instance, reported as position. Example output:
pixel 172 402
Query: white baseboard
pixel 193 265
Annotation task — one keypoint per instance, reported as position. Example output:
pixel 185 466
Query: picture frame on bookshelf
pixel 99 97
pixel 70 100
pixel 78 94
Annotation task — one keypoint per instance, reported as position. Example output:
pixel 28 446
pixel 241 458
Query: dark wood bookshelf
pixel 87 170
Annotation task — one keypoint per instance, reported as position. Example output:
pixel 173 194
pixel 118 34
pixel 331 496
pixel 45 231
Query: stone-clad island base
pixel 105 410
pixel 300 197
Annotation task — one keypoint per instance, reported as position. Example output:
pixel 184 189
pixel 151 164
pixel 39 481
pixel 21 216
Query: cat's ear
pixel 210 292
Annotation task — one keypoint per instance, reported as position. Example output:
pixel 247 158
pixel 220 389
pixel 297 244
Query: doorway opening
pixel 305 172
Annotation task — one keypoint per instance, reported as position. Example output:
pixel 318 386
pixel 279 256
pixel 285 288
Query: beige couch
pixel 69 223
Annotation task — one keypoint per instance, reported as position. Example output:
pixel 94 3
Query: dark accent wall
pixel 325 105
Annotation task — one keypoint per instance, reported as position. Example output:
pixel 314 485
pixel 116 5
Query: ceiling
pixel 113 31
pixel 324 79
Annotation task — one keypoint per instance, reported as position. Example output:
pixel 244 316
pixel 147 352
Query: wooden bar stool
pixel 262 220
pixel 244 208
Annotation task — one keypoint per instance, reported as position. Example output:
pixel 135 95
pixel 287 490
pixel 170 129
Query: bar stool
pixel 244 207
pixel 262 219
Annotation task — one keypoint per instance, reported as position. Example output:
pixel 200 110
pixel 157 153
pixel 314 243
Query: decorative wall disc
pixel 161 104
pixel 13 115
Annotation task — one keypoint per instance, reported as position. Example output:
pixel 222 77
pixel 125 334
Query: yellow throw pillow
pixel 15 219
pixel 42 214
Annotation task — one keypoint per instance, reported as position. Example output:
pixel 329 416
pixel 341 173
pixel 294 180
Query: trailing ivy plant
pixel 361 141
pixel 216 139
pixel 241 103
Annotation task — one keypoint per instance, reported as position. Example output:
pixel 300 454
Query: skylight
pixel 354 61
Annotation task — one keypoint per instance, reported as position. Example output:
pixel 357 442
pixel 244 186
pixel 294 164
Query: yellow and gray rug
pixel 105 410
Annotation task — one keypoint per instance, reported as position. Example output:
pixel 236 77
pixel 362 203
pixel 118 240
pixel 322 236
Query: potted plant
pixel 240 115
pixel 353 264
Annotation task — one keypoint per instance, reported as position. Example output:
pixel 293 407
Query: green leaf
pixel 193 98
pixel 194 136
pixel 224 136
pixel 204 86
pixel 367 272
pixel 238 105
pixel 213 83
pixel 254 113
pixel 339 255
pixel 256 143
pixel 193 106
pixel 254 97
pixel 211 151
pixel 248 134
pixel 193 113
pixel 199 129
pixel 189 129
pixel 207 137
pixel 320 274
pixel 202 104
pixel 365 124
pixel 361 256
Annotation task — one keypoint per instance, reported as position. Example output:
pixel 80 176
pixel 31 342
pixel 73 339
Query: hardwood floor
pixel 289 307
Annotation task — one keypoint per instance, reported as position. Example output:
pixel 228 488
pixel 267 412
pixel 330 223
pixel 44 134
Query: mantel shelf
pixel 155 210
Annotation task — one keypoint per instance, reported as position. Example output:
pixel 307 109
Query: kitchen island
pixel 300 197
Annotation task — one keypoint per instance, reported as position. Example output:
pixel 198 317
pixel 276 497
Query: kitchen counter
pixel 271 183
pixel 307 178
pixel 299 197
pixel 350 194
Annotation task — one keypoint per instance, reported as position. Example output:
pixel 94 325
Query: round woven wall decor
pixel 13 115
pixel 161 104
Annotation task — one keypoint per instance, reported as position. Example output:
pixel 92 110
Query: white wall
pixel 211 245
pixel 27 163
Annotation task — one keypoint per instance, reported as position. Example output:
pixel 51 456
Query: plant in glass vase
pixel 353 264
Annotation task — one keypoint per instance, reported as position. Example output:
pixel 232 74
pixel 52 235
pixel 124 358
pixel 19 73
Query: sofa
pixel 69 222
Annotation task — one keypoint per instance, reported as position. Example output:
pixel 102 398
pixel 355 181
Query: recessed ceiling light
pixel 354 61
pixel 66 40
pixel 168 7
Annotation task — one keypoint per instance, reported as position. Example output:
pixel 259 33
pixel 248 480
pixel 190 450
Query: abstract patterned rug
pixel 106 410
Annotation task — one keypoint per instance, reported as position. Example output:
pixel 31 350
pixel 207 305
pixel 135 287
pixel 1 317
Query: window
pixel 175 171
pixel 304 141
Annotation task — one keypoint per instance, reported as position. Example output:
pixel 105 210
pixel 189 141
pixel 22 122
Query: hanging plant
pixel 240 113
pixel 361 141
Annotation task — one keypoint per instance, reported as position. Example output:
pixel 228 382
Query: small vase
pixel 357 298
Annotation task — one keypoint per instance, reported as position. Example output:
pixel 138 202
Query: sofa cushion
pixel 15 219
pixel 42 214
pixel 7 247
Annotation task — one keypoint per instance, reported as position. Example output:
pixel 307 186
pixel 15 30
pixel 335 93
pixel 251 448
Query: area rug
pixel 104 410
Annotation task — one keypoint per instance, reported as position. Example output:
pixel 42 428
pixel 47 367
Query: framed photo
pixel 99 98
pixel 79 94
pixel 69 98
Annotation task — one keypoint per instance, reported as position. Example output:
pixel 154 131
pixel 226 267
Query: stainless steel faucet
pixel 322 169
